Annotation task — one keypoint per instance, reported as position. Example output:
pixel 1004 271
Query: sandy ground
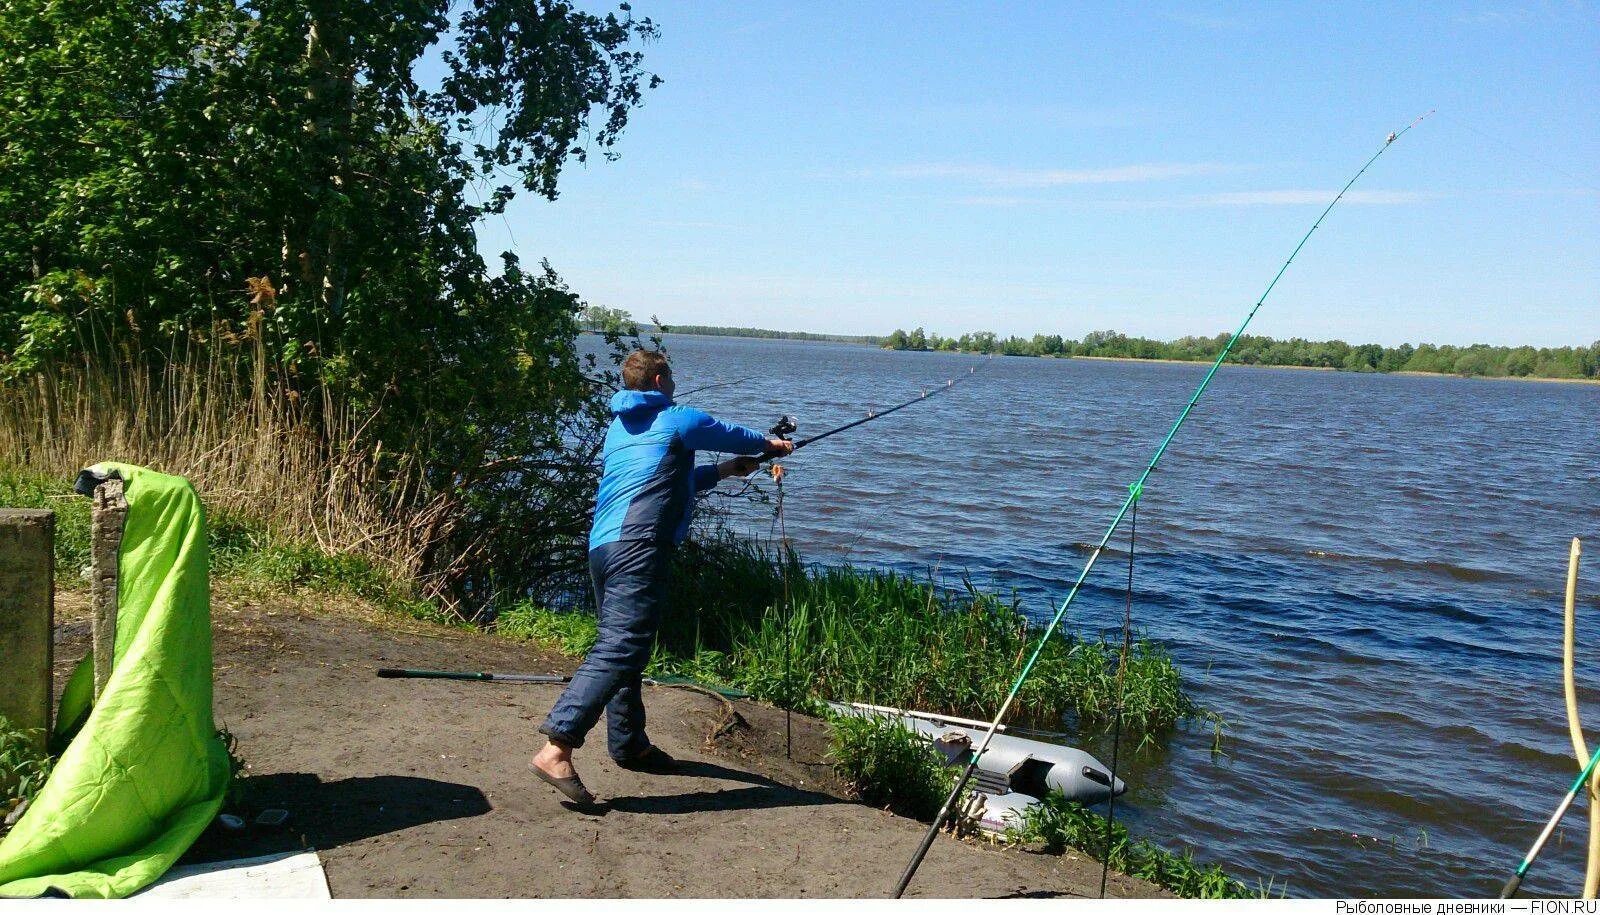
pixel 420 788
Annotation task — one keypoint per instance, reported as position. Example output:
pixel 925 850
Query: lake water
pixel 1361 573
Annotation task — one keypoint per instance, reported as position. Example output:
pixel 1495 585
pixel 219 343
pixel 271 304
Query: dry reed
pixel 218 412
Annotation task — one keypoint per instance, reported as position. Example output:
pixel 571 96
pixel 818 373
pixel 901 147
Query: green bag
pixel 147 772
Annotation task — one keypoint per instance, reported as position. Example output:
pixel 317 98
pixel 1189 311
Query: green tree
pixel 158 159
pixel 609 320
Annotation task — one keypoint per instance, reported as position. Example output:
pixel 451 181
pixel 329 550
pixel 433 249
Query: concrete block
pixel 107 516
pixel 27 611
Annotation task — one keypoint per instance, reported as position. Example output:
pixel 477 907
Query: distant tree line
pixel 601 319
pixel 1477 359
pixel 709 331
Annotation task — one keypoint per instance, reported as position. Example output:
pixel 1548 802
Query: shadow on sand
pixel 325 815
pixel 762 794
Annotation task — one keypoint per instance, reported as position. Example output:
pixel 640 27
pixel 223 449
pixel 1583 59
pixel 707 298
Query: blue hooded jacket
pixel 650 481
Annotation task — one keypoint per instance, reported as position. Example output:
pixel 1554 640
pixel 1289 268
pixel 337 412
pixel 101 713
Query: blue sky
pixel 1025 168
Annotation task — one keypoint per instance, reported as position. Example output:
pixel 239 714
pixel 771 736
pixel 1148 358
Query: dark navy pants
pixel 630 585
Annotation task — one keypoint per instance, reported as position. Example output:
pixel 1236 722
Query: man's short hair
pixel 640 369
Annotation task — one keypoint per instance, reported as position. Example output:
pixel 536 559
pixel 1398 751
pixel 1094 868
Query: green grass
pixel 19 490
pixel 1060 824
pixel 23 767
pixel 570 633
pixel 887 638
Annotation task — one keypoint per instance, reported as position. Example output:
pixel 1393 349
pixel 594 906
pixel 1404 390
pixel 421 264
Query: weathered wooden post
pixel 109 512
pixel 27 611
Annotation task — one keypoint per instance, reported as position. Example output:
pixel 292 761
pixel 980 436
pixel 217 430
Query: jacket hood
pixel 625 402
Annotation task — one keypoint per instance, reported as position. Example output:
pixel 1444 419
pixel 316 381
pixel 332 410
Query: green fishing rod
pixel 1515 883
pixel 1135 490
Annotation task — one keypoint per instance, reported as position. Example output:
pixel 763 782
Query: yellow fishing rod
pixel 1135 489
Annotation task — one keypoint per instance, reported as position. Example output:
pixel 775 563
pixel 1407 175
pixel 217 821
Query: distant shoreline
pixel 820 338
pixel 1537 378
pixel 1327 368
pixel 1301 368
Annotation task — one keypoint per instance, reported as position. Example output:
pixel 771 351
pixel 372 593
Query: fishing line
pixel 1519 152
pixel 1135 489
pixel 788 615
pixel 1122 699
pixel 880 414
pixel 710 387
pixel 785 427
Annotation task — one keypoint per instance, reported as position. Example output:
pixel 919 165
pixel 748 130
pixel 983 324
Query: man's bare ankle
pixel 554 757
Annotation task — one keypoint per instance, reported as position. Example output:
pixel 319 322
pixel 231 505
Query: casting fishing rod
pixel 1515 882
pixel 786 424
pixel 1135 490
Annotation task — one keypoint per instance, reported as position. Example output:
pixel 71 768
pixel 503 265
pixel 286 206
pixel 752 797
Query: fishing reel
pixel 783 428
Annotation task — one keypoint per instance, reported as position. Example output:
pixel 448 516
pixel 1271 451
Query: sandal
pixel 653 759
pixel 572 787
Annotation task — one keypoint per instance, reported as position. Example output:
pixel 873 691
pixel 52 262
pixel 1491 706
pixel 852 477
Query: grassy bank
pixel 746 617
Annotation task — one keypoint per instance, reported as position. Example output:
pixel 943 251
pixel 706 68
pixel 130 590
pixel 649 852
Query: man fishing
pixel 641 514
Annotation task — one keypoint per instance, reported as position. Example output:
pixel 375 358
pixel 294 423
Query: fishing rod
pixel 1515 883
pixel 1135 490
pixel 402 673
pixel 786 425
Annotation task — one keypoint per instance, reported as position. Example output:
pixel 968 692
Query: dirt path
pixel 420 788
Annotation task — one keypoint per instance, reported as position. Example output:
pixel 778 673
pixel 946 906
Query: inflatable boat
pixel 1014 773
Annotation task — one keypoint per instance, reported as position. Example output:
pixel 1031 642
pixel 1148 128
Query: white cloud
pixel 1301 198
pixel 997 176
pixel 1200 201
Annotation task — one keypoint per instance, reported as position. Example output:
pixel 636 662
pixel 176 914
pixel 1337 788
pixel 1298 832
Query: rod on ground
pixel 403 673
pixel 400 673
pixel 1515 882
pixel 1135 489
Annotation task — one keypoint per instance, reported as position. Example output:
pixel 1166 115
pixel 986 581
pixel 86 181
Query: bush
pixel 886 765
pixel 240 547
